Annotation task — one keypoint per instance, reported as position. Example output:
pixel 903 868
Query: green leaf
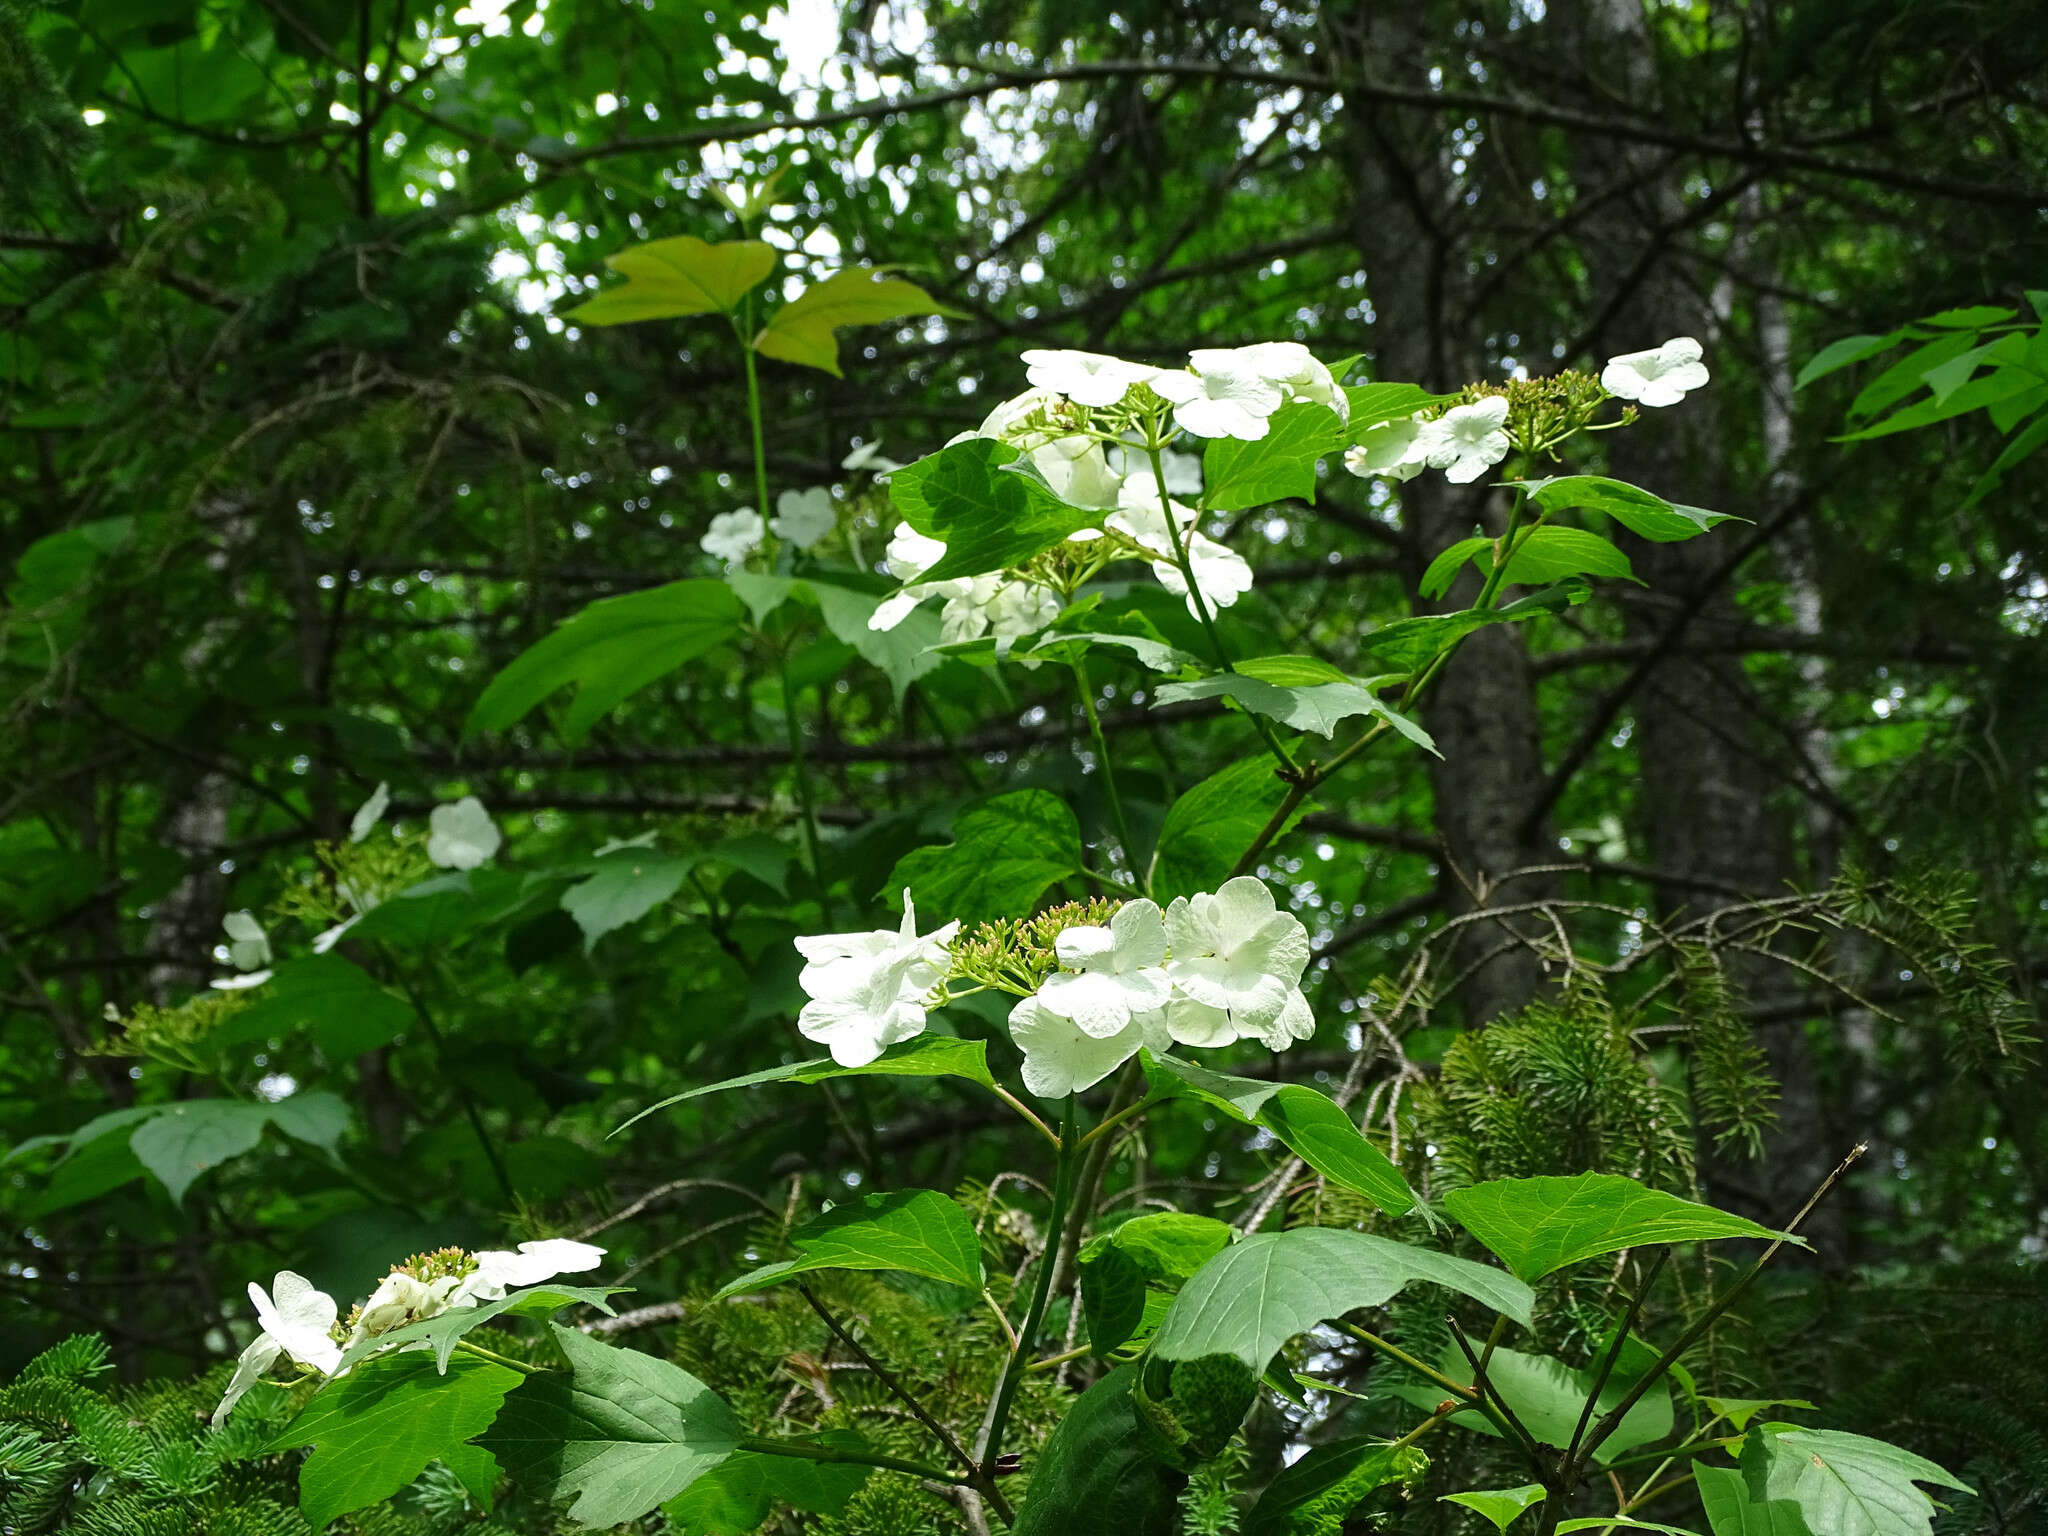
pixel 913 1231
pixel 1650 516
pixel 1313 1495
pixel 336 1002
pixel 1738 1411
pixel 1406 646
pixel 1096 1475
pixel 613 648
pixel 737 1496
pixel 1970 317
pixel 1907 375
pixel 1501 1506
pixel 990 518
pixel 904 653
pixel 1538 1226
pixel 1443 570
pixel 1282 464
pixel 1066 645
pixel 926 1056
pixel 374 1430
pixel 1120 1307
pixel 1256 1295
pixel 1372 404
pixel 1005 853
pixel 627 886
pixel 1128 1274
pixel 1973 396
pixel 802 331
pixel 1318 707
pixel 621 1436
pixel 1307 1123
pixel 1843 1484
pixel 443 908
pixel 1624 1522
pixel 443 1331
pixel 476 1469
pixel 1213 823
pixel 666 279
pixel 184 1140
pixel 1548 1396
pixel 1724 1493
pixel 1837 355
pixel 1549 553
pixel 318 1118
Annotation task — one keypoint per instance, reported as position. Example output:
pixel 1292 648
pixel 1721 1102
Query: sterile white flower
pixel 1221 398
pixel 869 457
pixel 399 1300
pixel 1393 449
pixel 1221 573
pixel 867 989
pixel 462 835
pixel 733 536
pixel 370 812
pixel 1660 376
pixel 498 1271
pixel 1111 974
pixel 1235 950
pixel 1467 440
pixel 1294 369
pixel 240 983
pixel 1059 1058
pixel 296 1320
pixel 910 553
pixel 248 947
pixel 804 518
pixel 1086 378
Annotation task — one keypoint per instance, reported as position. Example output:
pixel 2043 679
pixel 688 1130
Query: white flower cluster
pixel 1208 970
pixel 1223 393
pixel 301 1323
pixel 1468 440
pixel 460 836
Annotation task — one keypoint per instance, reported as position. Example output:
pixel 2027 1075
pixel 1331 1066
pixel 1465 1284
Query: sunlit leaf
pixel 804 330
pixel 680 276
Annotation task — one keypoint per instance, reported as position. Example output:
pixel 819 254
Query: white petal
pixel 1295 1021
pixel 261 1354
pixel 1191 1022
pixel 369 813
pixel 323 942
pixel 1094 1003
pixel 1140 933
pixel 1084 947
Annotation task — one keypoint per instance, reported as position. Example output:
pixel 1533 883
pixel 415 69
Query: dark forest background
pixel 296 453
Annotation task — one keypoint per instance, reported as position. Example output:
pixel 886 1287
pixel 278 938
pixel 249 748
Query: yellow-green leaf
pixel 803 330
pixel 680 276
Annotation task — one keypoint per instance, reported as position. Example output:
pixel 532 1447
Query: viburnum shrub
pixel 1012 543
